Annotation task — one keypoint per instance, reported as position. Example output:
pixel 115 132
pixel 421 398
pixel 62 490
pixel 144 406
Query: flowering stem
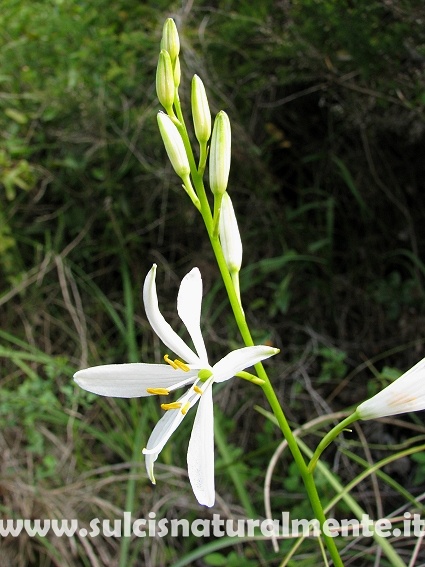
pixel 238 312
pixel 274 403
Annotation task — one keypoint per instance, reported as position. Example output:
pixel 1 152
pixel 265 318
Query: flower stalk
pixel 220 163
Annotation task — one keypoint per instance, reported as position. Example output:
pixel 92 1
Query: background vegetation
pixel 327 105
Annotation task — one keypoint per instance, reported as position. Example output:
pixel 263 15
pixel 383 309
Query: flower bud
pixel 165 80
pixel 230 237
pixel 174 145
pixel 170 39
pixel 220 153
pixel 200 111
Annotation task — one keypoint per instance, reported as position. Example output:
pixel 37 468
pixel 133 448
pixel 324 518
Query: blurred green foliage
pixel 326 101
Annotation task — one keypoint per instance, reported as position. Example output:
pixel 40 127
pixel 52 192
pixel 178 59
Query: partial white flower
pixel 405 394
pixel 139 379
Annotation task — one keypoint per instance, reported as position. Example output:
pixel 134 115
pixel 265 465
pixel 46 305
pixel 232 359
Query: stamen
pixel 176 364
pixel 170 362
pixel 158 391
pixel 181 365
pixel 172 405
pixel 185 408
pixel 197 390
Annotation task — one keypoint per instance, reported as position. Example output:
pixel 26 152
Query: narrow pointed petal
pixel 159 437
pixel 405 394
pixel 189 302
pixel 164 331
pixel 240 359
pixel 200 454
pixel 163 430
pixel 131 380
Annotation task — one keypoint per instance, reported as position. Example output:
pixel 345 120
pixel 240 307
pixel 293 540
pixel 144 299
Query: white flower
pixel 139 379
pixel 405 394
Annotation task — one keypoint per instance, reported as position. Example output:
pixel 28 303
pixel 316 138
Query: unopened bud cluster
pixel 218 137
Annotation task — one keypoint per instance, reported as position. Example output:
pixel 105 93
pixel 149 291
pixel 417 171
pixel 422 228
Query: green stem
pixel 329 437
pixel 270 394
pixel 239 315
pixel 250 377
pixel 203 153
pixel 217 209
pixel 343 493
pixel 235 278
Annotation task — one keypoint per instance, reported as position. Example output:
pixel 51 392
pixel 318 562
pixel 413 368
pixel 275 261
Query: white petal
pixel 159 324
pixel 164 429
pixel 200 454
pixel 240 359
pixel 189 301
pixel 159 436
pixel 405 394
pixel 131 380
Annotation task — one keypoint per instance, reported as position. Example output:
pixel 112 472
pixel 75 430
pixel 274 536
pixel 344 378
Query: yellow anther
pixel 172 405
pixel 185 408
pixel 181 365
pixel 170 362
pixel 158 391
pixel 197 390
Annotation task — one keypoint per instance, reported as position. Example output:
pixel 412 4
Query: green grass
pixel 326 106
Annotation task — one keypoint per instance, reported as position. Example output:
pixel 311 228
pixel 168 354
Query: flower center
pixel 184 406
pixel 204 374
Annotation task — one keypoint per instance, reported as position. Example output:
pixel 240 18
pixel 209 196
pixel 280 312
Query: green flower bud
pixel 174 145
pixel 165 80
pixel 200 111
pixel 220 154
pixel 230 237
pixel 170 39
